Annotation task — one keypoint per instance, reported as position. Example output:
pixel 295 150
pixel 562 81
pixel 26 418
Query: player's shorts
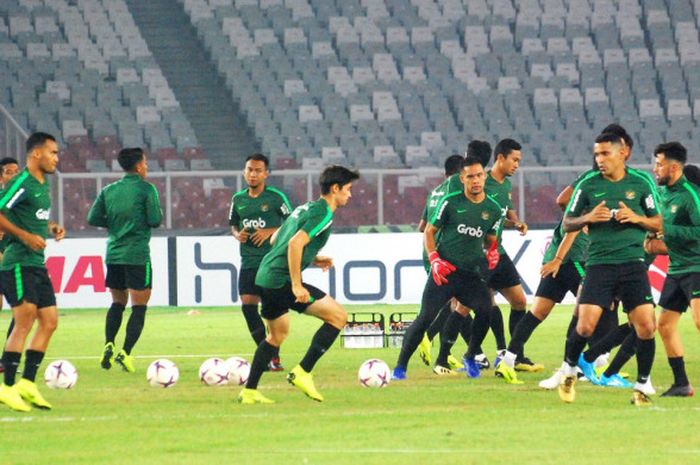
pixel 277 302
pixel 505 274
pixel 628 281
pixel 679 290
pixel 29 284
pixel 568 280
pixel 136 277
pixel 246 282
pixel 468 288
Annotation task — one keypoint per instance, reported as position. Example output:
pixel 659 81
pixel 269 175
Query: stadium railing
pixel 12 136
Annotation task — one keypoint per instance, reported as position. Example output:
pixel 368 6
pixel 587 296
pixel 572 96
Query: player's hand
pixel 522 228
pixel 626 215
pixel 655 247
pixel 33 241
pixel 243 236
pixel 58 231
pixel 301 294
pixel 599 214
pixel 440 269
pixel 260 236
pixel 551 267
pixel 492 255
pixel 325 263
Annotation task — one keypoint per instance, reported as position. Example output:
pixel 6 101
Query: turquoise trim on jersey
pixel 281 194
pixel 577 186
pixel 148 273
pixel 647 178
pixel 13 190
pixel 439 205
pixel 18 282
pixel 580 269
pixel 322 224
pixel 686 185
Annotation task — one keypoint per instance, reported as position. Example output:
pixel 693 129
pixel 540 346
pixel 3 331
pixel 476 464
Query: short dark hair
pixel 505 147
pixel 336 174
pixel 692 173
pixel 608 137
pixel 471 161
pixel 453 164
pixel 620 132
pixel 672 151
pixel 259 157
pixel 128 158
pixel 7 161
pixel 479 149
pixel 37 140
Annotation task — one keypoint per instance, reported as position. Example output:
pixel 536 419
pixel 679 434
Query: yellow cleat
pixel 30 393
pixel 453 363
pixel 304 382
pixel 126 361
pixel 507 373
pixel 10 397
pixel 443 371
pixel 640 399
pixel 253 396
pixel 525 364
pixel 567 389
pixel 424 350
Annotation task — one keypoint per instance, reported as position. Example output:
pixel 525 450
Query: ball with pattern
pixel 374 373
pixel 60 374
pixel 214 372
pixel 162 373
pixel 240 369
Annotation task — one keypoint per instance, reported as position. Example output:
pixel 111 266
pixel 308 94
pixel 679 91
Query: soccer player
pixel 680 201
pixel 618 205
pixel 129 209
pixel 467 221
pixel 25 207
pixel 256 213
pixel 295 247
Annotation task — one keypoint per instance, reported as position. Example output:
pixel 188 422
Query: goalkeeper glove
pixel 440 268
pixel 492 255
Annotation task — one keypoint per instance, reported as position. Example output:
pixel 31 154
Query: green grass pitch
pixel 112 417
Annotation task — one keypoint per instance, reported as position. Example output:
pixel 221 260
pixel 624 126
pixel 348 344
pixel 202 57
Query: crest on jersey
pixel 630 195
pixel 674 208
pixel 264 207
pixel 485 216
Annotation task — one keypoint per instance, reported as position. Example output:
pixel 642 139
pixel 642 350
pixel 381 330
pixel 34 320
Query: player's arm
pixel 655 246
pixel 690 232
pixel 429 238
pixel 57 230
pixel 295 250
pixel 575 219
pixel 552 267
pixel 564 197
pixel 154 214
pixel 234 220
pixel 261 235
pixel 423 219
pixel 651 219
pixel 97 216
pixel 512 221
pixel 33 241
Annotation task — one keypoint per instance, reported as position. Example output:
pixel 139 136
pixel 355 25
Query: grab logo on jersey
pixel 470 230
pixel 42 214
pixel 255 224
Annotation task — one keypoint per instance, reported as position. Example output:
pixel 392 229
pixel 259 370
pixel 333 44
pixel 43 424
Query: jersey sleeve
pixel 441 213
pixel 14 195
pixel 233 218
pixel 97 216
pixel 285 208
pixel 154 214
pixel 691 231
pixel 579 201
pixel 317 221
pixel 649 202
pixel 496 226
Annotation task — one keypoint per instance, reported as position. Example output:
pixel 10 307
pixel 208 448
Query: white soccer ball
pixel 60 374
pixel 239 369
pixel 374 373
pixel 214 372
pixel 162 373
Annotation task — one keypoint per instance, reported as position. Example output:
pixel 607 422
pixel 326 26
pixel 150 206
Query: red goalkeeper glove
pixel 439 268
pixel 492 255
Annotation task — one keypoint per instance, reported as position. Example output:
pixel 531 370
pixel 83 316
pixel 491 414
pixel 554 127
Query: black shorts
pixel 469 289
pixel 136 277
pixel 628 281
pixel 679 290
pixel 277 302
pixel 29 284
pixel 505 274
pixel 246 282
pixel 568 280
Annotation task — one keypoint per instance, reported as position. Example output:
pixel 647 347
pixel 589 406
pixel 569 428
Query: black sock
pixel 575 344
pixel 32 360
pixel 513 319
pixel 623 355
pixel 680 378
pixel 607 324
pixel 607 343
pixel 11 327
pixel 263 355
pixel 113 321
pixel 320 343
pixel 645 358
pixel 466 329
pixel 134 327
pixel 439 321
pixel 480 327
pixel 10 361
pixel 448 337
pixel 522 333
pixel 254 322
pixel 496 323
pixel 569 332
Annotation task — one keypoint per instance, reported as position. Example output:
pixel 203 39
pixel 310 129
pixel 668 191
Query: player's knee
pixel 277 337
pixel 645 329
pixel 339 318
pixel 585 328
pixel 519 303
pixel 665 328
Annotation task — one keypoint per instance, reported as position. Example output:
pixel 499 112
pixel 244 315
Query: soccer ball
pixel 162 373
pixel 214 372
pixel 374 373
pixel 240 369
pixel 60 374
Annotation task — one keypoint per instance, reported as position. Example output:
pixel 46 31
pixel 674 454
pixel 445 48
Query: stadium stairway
pixel 220 127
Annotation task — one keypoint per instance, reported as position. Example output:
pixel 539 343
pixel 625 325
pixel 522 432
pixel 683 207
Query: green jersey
pixel 27 204
pixel 267 210
pixel 314 218
pixel 578 251
pixel 5 237
pixel 612 242
pixel 680 206
pixel 129 209
pixel 448 186
pixel 501 193
pixel 463 227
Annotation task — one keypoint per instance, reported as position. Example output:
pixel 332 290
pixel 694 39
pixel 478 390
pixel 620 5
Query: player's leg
pixel 668 328
pixel 115 281
pixel 611 375
pixel 643 319
pixel 47 322
pixel 138 283
pixel 473 293
pixel 426 343
pixel 448 337
pixel 695 311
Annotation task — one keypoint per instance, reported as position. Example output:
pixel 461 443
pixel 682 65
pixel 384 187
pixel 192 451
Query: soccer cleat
pixel 472 368
pixel 499 356
pixel 304 382
pixel 507 373
pixel 483 361
pixel 645 387
pixel 640 399
pixel 525 364
pixel 399 374
pixel 453 363
pixel 126 361
pixel 552 382
pixel 679 391
pixel 567 389
pixel 30 393
pixel 614 381
pixel 252 396
pixel 443 371
pixel 588 370
pixel 275 365
pixel 107 356
pixel 11 397
pixel 424 350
